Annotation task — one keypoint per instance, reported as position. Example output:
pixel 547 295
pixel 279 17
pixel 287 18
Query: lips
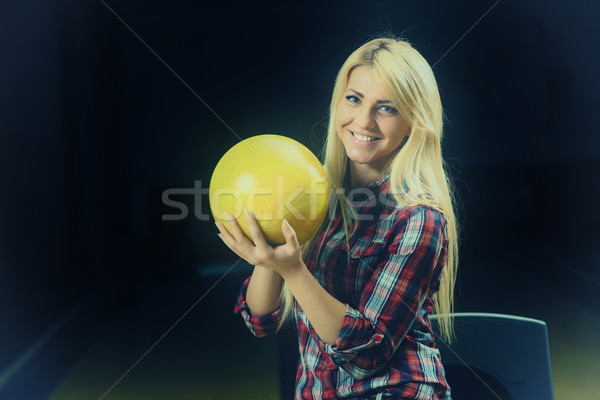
pixel 374 137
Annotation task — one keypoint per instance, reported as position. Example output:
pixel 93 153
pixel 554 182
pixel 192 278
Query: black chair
pixel 497 356
pixel 287 360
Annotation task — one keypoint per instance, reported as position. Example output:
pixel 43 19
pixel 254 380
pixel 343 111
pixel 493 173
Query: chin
pixel 360 160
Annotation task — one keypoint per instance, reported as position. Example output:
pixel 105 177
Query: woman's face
pixel 367 123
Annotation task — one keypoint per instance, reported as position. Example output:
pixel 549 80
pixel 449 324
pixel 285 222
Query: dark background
pixel 94 128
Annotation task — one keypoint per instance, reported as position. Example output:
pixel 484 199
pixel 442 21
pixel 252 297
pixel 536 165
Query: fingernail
pixel 247 213
pixel 228 216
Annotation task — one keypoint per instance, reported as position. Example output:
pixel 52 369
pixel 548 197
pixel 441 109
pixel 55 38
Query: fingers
pixel 227 238
pixel 257 236
pixel 237 241
pixel 289 233
pixel 236 231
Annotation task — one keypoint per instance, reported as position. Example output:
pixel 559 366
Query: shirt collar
pixel 381 184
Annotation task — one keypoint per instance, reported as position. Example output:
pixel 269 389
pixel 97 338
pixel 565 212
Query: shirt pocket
pixel 365 255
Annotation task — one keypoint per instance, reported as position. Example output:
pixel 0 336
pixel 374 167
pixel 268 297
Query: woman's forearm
pixel 264 289
pixel 325 312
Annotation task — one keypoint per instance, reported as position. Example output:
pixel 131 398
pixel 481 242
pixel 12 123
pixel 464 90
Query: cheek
pixel 398 131
pixel 342 117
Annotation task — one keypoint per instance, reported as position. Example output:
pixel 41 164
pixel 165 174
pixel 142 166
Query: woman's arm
pixel 262 298
pixel 391 298
pixel 324 311
pixel 264 289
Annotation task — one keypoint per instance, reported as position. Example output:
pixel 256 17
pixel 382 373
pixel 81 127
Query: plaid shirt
pixel 385 348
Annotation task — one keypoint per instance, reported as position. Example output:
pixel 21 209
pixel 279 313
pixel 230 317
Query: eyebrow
pixel 359 94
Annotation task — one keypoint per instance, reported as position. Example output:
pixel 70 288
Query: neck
pixel 363 174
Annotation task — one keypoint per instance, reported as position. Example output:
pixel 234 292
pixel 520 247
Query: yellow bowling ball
pixel 275 178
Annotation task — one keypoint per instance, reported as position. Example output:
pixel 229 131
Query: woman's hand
pixel 284 259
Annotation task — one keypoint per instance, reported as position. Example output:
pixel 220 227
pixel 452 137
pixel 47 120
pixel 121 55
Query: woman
pixel 362 313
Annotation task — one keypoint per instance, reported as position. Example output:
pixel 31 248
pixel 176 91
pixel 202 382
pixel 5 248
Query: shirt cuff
pixel 259 326
pixel 354 336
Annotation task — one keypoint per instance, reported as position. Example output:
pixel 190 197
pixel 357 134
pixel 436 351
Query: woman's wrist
pixel 266 271
pixel 295 272
pixel 264 289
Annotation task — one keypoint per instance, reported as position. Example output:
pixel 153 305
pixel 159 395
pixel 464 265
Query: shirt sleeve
pixel 391 298
pixel 259 326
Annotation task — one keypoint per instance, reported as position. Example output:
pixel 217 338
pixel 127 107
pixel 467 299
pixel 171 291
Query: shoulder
pixel 422 206
pixel 393 218
pixel 419 224
pixel 423 211
pixel 403 215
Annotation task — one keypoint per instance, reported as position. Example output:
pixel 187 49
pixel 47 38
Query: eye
pixel 353 99
pixel 388 109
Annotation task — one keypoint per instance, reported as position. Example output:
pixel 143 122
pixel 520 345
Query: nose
pixel 365 119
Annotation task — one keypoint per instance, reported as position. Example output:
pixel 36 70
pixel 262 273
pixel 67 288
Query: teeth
pixel 363 138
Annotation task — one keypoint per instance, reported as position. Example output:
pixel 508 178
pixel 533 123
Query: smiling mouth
pixel 364 138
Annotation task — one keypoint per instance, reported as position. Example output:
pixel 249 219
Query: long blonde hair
pixel 416 168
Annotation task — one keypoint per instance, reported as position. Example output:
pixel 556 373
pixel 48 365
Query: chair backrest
pixel 509 354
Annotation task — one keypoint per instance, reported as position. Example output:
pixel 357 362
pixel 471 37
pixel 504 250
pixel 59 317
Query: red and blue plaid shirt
pixel 385 349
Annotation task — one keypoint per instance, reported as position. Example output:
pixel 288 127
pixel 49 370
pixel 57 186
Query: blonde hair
pixel 417 170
